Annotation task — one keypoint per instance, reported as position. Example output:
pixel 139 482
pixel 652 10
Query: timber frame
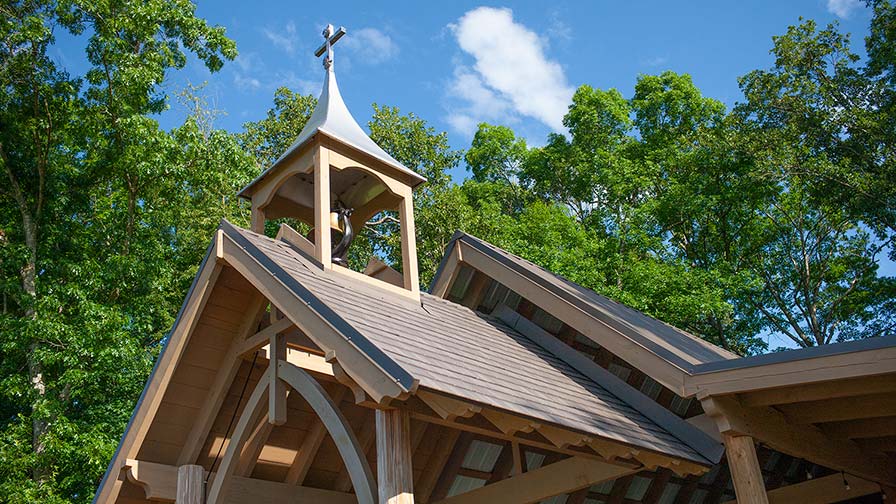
pixel 282 345
pixel 833 406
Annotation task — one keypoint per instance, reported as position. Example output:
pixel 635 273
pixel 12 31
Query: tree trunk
pixel 39 424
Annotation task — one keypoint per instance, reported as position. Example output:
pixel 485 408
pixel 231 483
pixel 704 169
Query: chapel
pixel 289 377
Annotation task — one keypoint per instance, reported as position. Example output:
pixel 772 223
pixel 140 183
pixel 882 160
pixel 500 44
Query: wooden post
pixel 744 466
pixel 322 250
pixel 277 395
pixel 257 218
pixel 189 484
pixel 393 457
pixel 408 242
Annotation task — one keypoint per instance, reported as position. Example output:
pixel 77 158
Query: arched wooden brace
pixel 330 416
pixel 339 429
pixel 253 410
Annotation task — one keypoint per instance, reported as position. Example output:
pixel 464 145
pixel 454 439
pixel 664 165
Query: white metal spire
pixel 332 118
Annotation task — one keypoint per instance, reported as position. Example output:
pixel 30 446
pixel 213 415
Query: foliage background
pixel 771 217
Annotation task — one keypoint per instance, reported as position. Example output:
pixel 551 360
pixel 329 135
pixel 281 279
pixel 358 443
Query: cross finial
pixel 330 38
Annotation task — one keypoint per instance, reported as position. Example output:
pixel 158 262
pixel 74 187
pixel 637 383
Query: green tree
pixel 813 127
pixel 270 137
pixel 88 287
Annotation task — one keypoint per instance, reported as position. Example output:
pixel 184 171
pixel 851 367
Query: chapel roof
pixel 448 348
pixel 675 346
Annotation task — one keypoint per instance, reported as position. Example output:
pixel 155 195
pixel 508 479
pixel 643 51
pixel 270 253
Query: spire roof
pixel 332 118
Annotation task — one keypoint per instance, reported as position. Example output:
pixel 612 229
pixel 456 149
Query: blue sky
pixel 458 63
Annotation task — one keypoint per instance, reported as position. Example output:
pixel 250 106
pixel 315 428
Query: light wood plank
pixel 745 471
pixel 824 390
pixel 190 488
pixel 394 469
pixel 561 477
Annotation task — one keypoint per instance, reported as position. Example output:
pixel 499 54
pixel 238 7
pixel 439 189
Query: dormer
pixel 335 178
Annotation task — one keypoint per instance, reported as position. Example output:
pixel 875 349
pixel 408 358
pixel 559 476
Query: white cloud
pixel 371 46
pixel 247 68
pixel 246 83
pixel 843 8
pixel 285 38
pixel 480 102
pixel 655 61
pixel 511 75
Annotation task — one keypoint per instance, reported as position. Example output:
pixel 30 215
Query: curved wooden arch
pixel 254 408
pixel 337 427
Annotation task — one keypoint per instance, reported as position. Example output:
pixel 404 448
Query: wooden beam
pixel 805 441
pixel 861 429
pixel 322 205
pixel 277 394
pixel 561 477
pixel 451 466
pixel 263 337
pixel 408 242
pixel 252 449
pixel 845 408
pixel 436 463
pixel 190 487
pixel 338 427
pixel 826 490
pixel 303 459
pixel 393 457
pixel 845 366
pixel 448 273
pixel 745 471
pixel 164 478
pixel 825 390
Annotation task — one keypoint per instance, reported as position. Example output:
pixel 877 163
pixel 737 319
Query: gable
pixel 664 352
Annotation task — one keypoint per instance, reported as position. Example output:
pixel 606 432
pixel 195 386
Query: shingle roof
pixel 672 344
pixel 454 350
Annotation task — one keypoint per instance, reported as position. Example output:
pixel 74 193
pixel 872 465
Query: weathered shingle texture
pixel 454 350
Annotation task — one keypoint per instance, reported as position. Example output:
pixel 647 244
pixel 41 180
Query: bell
pixel 341 234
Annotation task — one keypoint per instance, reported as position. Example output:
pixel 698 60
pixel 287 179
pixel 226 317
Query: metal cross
pixel 330 38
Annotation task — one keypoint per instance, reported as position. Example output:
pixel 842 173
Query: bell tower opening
pixel 335 178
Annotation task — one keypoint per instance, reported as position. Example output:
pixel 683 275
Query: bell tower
pixel 335 178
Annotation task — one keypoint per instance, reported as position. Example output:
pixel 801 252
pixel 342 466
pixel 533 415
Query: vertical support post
pixel 322 249
pixel 517 459
pixel 408 242
pixel 257 218
pixel 277 396
pixel 393 457
pixel 189 484
pixel 745 471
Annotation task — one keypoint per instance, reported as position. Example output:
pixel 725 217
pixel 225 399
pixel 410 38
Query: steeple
pixel 334 176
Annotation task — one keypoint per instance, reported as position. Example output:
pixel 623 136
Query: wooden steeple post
pixel 322 244
pixel 395 477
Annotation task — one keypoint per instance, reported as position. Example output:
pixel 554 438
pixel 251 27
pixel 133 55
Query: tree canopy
pixel 768 218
